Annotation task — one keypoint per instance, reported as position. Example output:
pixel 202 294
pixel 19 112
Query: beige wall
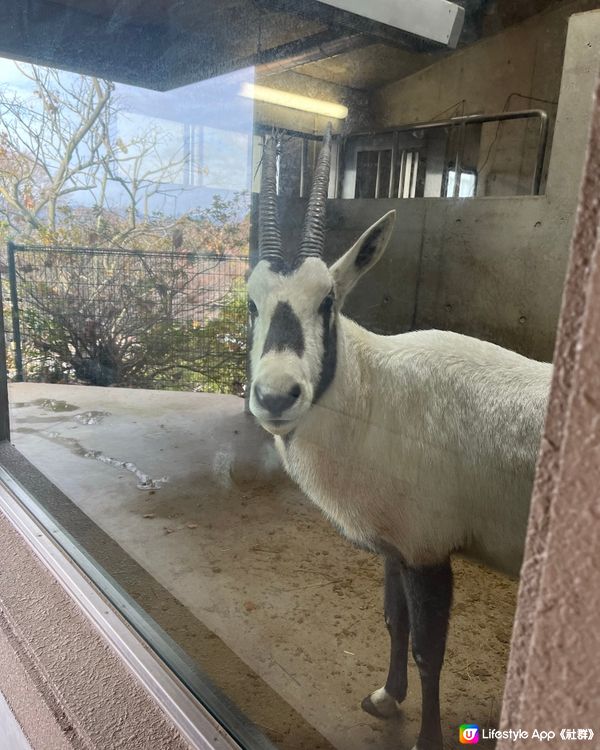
pixel 10 729
pixel 66 687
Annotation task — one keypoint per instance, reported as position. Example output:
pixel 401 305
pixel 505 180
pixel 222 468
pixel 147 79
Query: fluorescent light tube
pixel 293 101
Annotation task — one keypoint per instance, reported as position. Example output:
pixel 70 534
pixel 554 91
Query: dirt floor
pixel 278 610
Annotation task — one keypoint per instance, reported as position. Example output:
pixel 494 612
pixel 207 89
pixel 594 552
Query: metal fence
pixel 128 318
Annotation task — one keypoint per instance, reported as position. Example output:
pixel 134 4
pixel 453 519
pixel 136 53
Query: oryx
pixel 416 446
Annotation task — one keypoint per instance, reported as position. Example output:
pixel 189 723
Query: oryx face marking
pixel 293 334
pixel 285 331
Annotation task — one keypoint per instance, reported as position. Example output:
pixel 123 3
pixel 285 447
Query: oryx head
pixel 294 303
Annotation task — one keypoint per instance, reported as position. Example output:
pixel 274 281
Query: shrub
pixel 160 320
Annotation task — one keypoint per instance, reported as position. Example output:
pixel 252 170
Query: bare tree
pixel 78 169
pixel 63 141
pixel 51 145
pixel 148 163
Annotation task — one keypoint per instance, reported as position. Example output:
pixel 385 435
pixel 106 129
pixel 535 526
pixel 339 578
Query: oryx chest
pixel 365 492
pixel 381 497
pixel 330 481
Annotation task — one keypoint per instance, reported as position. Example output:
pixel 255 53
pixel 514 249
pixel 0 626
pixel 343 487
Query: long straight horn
pixel 269 236
pixel 313 233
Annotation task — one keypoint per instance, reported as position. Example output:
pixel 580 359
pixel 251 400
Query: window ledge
pixel 87 678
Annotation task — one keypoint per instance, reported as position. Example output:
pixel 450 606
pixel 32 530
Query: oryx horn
pixel 269 236
pixel 313 233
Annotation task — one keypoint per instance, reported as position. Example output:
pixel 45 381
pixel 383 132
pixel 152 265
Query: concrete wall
pixel 519 68
pixel 472 266
pixel 488 267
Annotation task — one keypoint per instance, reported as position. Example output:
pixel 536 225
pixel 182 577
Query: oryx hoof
pixel 381 704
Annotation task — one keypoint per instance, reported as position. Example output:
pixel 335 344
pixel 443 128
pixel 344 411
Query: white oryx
pixel 416 446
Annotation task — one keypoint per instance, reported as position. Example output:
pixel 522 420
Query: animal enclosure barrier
pixel 139 319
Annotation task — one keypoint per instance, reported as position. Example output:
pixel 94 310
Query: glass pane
pixel 148 384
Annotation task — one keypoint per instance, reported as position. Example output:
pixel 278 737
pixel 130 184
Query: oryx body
pixel 416 445
pixel 393 466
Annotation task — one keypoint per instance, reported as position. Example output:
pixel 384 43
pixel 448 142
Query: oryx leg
pixel 428 593
pixel 383 703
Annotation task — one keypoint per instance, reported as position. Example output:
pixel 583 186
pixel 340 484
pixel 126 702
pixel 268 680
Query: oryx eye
pixel 252 309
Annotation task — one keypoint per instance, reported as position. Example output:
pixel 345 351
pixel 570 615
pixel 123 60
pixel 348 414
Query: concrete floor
pixel 290 614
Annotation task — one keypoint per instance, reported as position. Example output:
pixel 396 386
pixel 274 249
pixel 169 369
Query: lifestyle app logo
pixel 468 734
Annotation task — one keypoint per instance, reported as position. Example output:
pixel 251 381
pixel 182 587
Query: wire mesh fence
pixel 128 318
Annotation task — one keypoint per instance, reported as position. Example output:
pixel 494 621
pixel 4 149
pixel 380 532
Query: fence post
pixel 14 303
pixel 4 413
pixel 252 261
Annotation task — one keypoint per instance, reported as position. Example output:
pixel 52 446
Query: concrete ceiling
pixel 381 62
pixel 164 44
pixel 369 67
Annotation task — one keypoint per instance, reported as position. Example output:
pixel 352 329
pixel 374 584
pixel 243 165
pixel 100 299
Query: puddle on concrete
pixel 73 445
pixel 50 404
pixel 91 417
pixel 144 481
pixel 86 417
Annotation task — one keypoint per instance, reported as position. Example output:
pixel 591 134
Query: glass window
pixel 147 383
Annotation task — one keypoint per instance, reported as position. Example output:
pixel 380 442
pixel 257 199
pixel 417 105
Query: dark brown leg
pixel 428 593
pixel 383 702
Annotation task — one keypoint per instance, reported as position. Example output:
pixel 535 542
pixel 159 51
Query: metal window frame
pixel 197 725
pixel 460 122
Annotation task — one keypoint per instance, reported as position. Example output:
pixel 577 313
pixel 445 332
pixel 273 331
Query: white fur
pixel 276 371
pixel 425 441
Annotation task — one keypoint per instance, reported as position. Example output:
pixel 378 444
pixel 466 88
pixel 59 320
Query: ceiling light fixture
pixel 293 101
pixel 438 20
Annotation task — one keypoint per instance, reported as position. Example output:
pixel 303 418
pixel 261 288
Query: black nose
pixel 277 403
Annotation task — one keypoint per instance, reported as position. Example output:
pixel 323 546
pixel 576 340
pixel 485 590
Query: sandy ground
pixel 279 611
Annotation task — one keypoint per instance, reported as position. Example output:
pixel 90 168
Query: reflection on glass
pixel 225 159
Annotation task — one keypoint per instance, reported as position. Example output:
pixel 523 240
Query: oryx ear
pixel 362 256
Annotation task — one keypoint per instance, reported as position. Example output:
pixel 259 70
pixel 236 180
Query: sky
pixel 12 78
pixel 210 114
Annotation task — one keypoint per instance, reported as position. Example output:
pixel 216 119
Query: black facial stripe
pixel 249 358
pixel 329 361
pixel 368 248
pixel 285 331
